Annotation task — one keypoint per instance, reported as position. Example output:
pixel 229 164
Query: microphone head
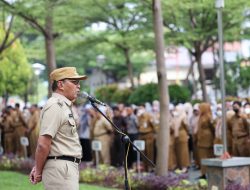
pixel 85 95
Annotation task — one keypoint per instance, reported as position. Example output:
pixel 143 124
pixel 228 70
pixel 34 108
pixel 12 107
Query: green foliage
pixel 194 101
pixel 188 22
pixel 121 96
pixel 244 77
pixel 236 76
pixel 112 94
pixel 106 93
pixel 149 93
pixel 144 93
pixel 179 94
pixel 15 71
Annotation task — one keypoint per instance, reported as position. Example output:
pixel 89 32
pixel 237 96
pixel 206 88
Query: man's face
pixel 129 111
pixel 236 108
pixel 116 113
pixel 70 88
pixel 32 109
pixel 196 112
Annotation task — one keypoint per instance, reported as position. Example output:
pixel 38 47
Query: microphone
pixel 92 99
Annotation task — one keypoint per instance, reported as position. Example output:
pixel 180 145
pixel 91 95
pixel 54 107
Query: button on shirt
pixel 59 122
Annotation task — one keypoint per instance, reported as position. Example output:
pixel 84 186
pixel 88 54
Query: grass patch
pixel 17 181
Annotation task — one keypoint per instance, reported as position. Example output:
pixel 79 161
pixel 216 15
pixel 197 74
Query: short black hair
pixel 54 85
pixel 237 102
pixel 115 108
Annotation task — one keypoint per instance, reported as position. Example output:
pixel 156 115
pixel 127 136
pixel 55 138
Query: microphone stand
pixel 125 140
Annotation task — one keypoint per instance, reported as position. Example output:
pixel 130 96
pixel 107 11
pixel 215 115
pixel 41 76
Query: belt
pixel 68 158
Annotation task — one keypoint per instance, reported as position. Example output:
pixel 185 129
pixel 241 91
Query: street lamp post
pixel 219 4
pixel 38 68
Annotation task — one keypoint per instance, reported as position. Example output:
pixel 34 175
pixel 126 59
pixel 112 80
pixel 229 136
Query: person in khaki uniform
pixel 102 131
pixel 8 131
pixel 33 131
pixel 240 131
pixel 181 138
pixel 58 153
pixel 205 135
pixel 146 133
pixel 20 128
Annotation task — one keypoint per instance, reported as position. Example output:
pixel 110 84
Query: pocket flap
pixel 71 122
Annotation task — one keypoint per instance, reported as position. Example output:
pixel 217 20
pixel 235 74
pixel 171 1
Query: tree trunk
pixel 163 133
pixel 49 45
pixel 202 77
pixel 194 84
pixel 6 99
pixel 129 67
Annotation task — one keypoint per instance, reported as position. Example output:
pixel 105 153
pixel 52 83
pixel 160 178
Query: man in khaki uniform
pixel 240 131
pixel 20 128
pixel 8 131
pixel 59 152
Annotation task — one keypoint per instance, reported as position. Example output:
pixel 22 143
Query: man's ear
pixel 60 84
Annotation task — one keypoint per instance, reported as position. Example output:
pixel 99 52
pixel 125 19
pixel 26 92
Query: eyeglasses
pixel 75 82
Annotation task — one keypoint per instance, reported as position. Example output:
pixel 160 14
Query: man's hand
pixel 34 176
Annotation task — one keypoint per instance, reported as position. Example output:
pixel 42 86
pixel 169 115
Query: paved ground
pixel 193 174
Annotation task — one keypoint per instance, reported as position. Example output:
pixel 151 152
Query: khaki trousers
pixel 105 151
pixel 241 147
pixel 204 153
pixel 60 175
pixel 18 133
pixel 8 143
pixel 149 149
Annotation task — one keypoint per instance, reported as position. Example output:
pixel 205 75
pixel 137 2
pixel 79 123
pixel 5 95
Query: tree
pixel 236 77
pixel 125 27
pixel 244 78
pixel 163 135
pixel 15 71
pixel 194 25
pixel 46 17
pixel 5 43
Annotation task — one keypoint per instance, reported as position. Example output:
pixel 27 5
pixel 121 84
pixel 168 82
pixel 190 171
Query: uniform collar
pixel 62 98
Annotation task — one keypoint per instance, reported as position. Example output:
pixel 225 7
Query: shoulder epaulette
pixel 60 103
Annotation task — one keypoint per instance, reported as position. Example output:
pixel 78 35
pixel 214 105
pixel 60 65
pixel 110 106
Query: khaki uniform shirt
pixel 59 122
pixel 18 120
pixel 102 127
pixel 145 123
pixel 239 126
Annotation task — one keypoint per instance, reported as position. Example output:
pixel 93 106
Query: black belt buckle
pixel 77 160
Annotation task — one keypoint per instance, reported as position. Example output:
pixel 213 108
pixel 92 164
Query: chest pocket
pixel 72 125
pixel 69 128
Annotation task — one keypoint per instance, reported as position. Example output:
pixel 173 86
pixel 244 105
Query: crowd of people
pixel 194 129
pixel 16 123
